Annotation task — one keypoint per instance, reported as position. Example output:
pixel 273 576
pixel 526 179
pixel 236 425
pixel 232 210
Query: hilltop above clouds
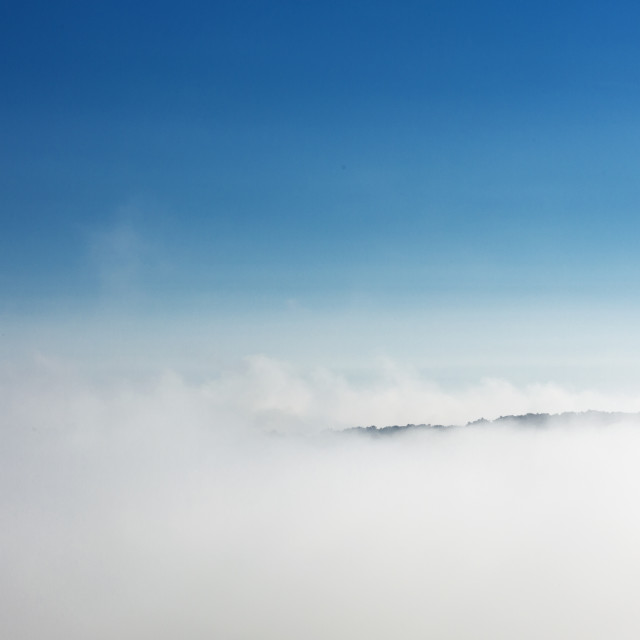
pixel 565 419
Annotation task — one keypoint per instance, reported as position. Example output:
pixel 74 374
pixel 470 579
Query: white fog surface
pixel 147 512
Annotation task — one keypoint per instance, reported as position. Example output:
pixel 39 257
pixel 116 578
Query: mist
pixel 237 508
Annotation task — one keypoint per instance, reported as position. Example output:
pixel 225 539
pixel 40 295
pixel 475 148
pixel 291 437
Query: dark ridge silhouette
pixel 533 420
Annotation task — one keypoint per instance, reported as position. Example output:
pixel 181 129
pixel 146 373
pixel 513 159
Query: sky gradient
pixel 232 230
pixel 366 177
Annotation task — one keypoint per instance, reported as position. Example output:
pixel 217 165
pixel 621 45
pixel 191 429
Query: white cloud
pixel 271 395
pixel 158 508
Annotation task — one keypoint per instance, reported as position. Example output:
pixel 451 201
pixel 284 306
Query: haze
pixel 154 510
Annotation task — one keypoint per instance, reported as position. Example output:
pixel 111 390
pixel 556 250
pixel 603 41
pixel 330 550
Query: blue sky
pixel 232 219
pixel 339 156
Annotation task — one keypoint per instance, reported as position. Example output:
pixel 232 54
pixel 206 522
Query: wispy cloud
pixel 265 394
pixel 116 253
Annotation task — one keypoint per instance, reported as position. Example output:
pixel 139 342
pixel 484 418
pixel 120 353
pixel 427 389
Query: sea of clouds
pixel 161 507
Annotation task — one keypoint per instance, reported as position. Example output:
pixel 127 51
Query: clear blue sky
pixel 325 151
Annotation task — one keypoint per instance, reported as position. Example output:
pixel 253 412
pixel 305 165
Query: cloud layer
pixel 161 508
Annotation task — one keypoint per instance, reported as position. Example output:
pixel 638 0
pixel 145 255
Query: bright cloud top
pixel 271 395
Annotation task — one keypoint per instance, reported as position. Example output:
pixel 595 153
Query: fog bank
pixel 158 510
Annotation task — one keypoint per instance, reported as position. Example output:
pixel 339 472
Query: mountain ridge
pixel 537 420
